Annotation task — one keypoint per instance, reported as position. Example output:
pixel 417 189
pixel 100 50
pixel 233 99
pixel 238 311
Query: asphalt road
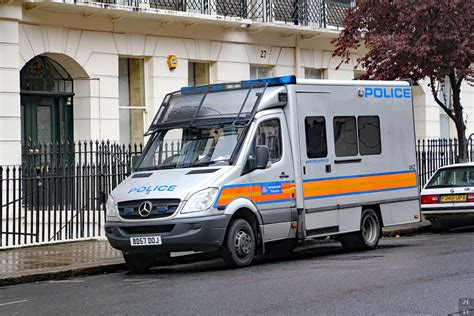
pixel 424 274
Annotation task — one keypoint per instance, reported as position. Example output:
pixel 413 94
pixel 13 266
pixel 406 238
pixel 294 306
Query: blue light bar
pixel 275 81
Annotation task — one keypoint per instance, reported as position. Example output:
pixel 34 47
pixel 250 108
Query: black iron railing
pixel 56 193
pixel 318 13
pixel 432 154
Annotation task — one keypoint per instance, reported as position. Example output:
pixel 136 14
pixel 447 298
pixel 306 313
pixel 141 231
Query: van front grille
pixel 160 208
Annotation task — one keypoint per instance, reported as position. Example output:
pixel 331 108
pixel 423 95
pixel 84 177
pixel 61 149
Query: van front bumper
pixel 186 234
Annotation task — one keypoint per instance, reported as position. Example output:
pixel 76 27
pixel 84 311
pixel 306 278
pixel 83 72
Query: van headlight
pixel 200 201
pixel 111 209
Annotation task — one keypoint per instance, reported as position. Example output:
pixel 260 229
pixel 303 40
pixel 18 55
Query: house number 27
pixel 263 53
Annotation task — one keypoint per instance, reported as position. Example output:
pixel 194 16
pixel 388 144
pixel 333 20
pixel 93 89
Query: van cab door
pixel 273 188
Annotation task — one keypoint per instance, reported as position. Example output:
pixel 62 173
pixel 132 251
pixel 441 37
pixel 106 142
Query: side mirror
pixel 262 157
pixel 135 159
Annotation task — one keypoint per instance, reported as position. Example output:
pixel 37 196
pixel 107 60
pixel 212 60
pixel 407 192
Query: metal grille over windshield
pixel 220 103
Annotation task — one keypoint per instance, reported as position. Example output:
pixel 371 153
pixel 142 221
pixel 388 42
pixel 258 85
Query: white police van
pixel 262 161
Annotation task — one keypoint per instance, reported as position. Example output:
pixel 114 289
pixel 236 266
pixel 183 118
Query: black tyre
pixel 139 262
pixel 369 235
pixel 238 249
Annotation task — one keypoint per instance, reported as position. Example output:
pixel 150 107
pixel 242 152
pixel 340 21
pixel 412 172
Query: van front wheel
pixel 369 235
pixel 238 249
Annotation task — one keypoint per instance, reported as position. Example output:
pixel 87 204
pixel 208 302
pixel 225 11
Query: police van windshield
pixel 191 147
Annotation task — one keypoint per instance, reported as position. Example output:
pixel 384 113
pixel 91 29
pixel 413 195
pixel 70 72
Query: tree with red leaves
pixel 415 39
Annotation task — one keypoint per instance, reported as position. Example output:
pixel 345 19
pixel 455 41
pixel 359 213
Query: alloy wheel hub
pixel 243 243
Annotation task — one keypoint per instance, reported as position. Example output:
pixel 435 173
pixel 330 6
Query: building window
pixel 131 100
pixel 314 73
pixel 258 72
pixel 198 74
pixel 316 142
pixel 444 128
pixel 359 73
pixel 445 95
pixel 45 75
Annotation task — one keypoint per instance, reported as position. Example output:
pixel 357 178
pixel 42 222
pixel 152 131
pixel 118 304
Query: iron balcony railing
pixel 316 13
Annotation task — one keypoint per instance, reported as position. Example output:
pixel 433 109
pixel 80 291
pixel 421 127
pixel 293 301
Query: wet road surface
pixel 424 274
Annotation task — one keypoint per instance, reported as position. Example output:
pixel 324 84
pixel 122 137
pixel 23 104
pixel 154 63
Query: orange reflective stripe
pixel 254 193
pixel 358 184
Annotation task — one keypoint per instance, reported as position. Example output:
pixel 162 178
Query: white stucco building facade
pixel 113 64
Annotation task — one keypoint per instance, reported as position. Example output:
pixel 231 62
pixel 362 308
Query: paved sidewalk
pixel 57 261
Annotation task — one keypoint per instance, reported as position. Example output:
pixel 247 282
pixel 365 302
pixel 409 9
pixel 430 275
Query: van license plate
pixel 145 241
pixel 453 198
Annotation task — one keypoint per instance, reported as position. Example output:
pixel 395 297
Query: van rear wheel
pixel 238 249
pixel 369 235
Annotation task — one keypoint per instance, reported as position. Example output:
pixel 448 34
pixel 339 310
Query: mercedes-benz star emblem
pixel 145 209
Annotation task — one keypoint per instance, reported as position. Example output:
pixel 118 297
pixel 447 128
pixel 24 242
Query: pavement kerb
pixel 406 230
pixel 61 273
pixel 64 273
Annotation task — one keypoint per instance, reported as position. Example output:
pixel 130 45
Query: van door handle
pixel 341 161
pixel 283 175
pixel 328 168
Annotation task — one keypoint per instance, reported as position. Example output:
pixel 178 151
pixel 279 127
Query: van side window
pixel 369 135
pixel 316 141
pixel 269 134
pixel 345 136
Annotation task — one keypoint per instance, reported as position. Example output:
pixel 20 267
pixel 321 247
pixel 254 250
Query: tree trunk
pixel 458 118
pixel 462 142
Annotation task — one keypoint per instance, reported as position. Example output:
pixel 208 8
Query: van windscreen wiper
pixel 204 163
